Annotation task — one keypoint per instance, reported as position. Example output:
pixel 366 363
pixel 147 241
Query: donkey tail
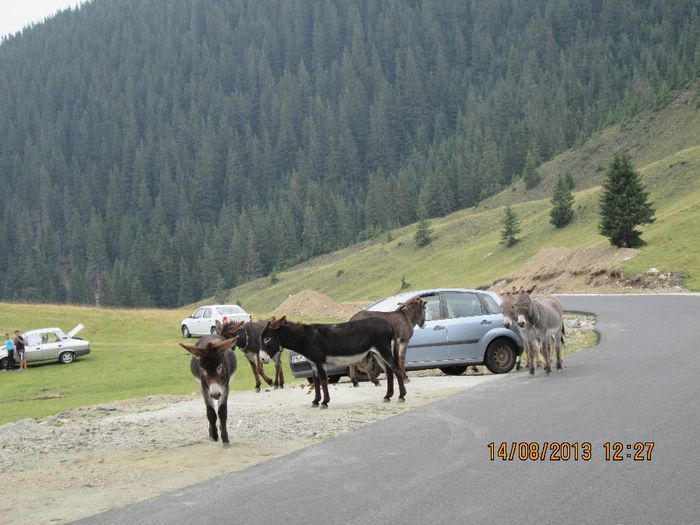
pixel 563 332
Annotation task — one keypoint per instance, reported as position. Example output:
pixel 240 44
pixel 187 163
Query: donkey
pixel 409 314
pixel 543 317
pixel 213 365
pixel 340 344
pixel 249 343
pixel 508 300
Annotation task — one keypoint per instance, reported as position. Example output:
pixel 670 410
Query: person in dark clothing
pixel 19 345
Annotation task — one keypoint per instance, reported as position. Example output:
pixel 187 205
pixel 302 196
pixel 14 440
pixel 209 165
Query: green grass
pixel 665 146
pixel 135 353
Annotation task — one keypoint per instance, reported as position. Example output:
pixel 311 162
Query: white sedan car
pixel 45 344
pixel 203 320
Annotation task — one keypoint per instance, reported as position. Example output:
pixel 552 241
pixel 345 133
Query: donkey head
pixel 269 338
pixel 230 329
pixel 522 307
pixel 209 353
pixel 415 310
pixel 508 308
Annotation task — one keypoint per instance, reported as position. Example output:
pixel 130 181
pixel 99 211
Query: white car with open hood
pixel 45 344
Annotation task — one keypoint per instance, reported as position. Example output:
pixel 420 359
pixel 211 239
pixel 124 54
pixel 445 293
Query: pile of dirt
pixel 309 303
pixel 587 270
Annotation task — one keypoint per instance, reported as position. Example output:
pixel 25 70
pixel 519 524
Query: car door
pixel 32 350
pixel 429 344
pixel 51 345
pixel 467 322
pixel 194 324
pixel 207 322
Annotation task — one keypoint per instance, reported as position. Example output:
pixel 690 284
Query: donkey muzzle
pixel 264 357
pixel 215 391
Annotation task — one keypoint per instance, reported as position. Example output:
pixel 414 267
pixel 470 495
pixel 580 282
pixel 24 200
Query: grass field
pixel 135 353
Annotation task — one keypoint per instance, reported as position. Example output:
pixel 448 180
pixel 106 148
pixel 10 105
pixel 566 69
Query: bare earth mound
pixel 596 269
pixel 309 303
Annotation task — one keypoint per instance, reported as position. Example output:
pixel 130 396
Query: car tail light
pixel 225 320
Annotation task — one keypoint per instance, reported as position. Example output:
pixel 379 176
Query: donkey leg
pixel 317 386
pixel 559 347
pixel 279 373
pixel 546 344
pixel 402 387
pixel 403 346
pixel 262 372
pixel 374 377
pixel 251 360
pixel 531 357
pixel 324 384
pixel 223 416
pixel 211 416
pixel 352 372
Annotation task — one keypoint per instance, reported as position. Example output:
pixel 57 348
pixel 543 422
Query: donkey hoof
pixel 355 385
pixel 269 383
pixel 532 372
pixel 386 400
pixel 257 389
pixel 314 404
pixel 324 405
pixel 559 367
pixel 402 400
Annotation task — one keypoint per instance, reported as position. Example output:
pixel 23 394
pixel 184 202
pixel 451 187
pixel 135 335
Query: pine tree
pixel 424 231
pixel 562 204
pixel 530 175
pixel 511 228
pixel 624 204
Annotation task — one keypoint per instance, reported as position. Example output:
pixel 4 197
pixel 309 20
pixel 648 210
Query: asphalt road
pixel 432 465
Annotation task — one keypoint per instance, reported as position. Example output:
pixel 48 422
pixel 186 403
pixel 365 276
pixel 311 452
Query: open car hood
pixel 75 330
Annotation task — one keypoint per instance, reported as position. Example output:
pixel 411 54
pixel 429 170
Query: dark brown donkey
pixel 213 364
pixel 409 314
pixel 339 344
pixel 249 343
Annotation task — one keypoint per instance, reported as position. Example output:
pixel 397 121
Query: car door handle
pixel 438 327
pixel 486 321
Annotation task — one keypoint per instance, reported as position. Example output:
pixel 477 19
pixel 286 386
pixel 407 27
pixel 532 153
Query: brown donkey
pixel 402 321
pixel 213 365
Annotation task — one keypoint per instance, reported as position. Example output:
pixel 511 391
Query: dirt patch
pixel 309 303
pixel 587 270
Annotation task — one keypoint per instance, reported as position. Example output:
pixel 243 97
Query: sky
pixel 15 14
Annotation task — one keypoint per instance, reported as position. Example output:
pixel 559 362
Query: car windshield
pixel 229 310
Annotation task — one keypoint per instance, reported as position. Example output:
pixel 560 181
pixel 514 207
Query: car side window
pixel 44 338
pixel 462 305
pixel 198 313
pixel 207 313
pixel 432 308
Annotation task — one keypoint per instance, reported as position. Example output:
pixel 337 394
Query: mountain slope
pixel 467 252
pixel 155 151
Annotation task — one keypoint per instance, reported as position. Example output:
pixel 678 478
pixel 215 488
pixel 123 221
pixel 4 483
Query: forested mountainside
pixel 153 152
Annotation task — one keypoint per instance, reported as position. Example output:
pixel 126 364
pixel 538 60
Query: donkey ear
pixel 194 350
pixel 219 327
pixel 222 346
pixel 276 323
pixel 531 289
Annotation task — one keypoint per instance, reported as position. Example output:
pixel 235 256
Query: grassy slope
pixel 665 146
pixel 134 354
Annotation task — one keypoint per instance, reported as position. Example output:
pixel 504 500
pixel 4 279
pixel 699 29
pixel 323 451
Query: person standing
pixel 10 347
pixel 19 345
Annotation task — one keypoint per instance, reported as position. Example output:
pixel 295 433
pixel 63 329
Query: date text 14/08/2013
pixel 568 451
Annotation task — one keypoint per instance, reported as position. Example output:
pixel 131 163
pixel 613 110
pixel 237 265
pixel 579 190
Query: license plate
pixel 296 358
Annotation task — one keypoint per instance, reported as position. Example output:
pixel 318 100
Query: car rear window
pixel 229 310
pixel 491 304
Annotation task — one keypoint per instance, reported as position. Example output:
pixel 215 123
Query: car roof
pixel 395 299
pixel 42 330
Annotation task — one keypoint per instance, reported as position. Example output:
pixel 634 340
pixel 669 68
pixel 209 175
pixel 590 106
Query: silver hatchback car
pixel 462 328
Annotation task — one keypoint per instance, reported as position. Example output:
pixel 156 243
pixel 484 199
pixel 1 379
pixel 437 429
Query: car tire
pixel 3 363
pixel 66 358
pixel 376 369
pixel 456 370
pixel 333 379
pixel 500 356
pixel 186 332
pixel 310 380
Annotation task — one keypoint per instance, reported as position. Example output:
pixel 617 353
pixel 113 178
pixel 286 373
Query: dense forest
pixel 155 152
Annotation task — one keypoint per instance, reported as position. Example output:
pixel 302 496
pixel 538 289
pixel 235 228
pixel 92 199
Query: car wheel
pixel 500 356
pixel 456 370
pixel 333 379
pixel 3 363
pixel 66 358
pixel 376 370
pixel 310 380
pixel 186 332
